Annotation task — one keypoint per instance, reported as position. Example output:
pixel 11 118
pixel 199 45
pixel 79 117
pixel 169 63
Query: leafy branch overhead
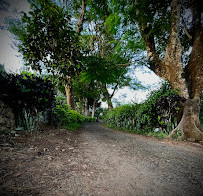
pixel 48 38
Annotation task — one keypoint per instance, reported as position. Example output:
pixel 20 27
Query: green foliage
pixel 158 112
pixel 104 71
pixel 119 117
pixel 152 15
pixel 159 134
pixel 67 118
pixel 28 95
pixel 47 37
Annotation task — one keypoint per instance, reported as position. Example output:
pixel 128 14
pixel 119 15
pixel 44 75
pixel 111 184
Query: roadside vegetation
pixel 84 51
pixel 157 116
pixel 33 100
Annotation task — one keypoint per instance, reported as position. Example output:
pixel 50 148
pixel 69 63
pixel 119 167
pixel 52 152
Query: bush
pixel 159 111
pixel 28 95
pixel 123 116
pixel 67 118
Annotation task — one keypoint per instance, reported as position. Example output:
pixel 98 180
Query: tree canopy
pixel 96 41
pixel 47 38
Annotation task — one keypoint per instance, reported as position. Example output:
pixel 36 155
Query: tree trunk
pixel 69 96
pixel 87 112
pixel 110 105
pixel 189 126
pixel 188 84
pixel 81 19
pixel 173 58
pixel 108 98
pixel 69 93
pixel 93 109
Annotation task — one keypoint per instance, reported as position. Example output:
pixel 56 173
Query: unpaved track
pixel 133 165
pixel 98 161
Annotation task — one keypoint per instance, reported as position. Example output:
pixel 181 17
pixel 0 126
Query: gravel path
pixel 130 164
pixel 98 161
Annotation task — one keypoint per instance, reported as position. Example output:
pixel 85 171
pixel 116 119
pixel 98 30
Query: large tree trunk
pixel 87 112
pixel 173 57
pixel 108 99
pixel 189 126
pixel 109 102
pixel 171 68
pixel 70 97
pixel 189 123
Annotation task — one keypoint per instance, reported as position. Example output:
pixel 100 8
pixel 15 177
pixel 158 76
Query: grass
pixel 72 126
pixel 159 135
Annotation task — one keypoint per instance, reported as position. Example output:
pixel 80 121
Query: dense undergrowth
pixel 33 100
pixel 157 116
pixel 67 118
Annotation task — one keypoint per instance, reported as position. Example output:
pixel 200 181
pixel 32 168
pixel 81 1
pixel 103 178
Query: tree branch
pixel 186 30
pixel 114 90
pixel 153 59
pixel 173 57
pixel 81 19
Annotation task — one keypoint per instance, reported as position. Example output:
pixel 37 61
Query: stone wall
pixel 7 121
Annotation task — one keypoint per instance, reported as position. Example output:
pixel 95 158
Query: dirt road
pixel 100 161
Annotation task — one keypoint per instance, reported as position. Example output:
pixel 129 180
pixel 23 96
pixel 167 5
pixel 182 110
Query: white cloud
pixel 144 75
pixel 8 55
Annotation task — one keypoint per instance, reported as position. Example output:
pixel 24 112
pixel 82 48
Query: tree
pixel 158 21
pixel 102 61
pixel 104 74
pixel 88 95
pixel 48 38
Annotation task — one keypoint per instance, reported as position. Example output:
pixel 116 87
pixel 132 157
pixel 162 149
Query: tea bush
pixel 67 118
pixel 159 111
pixel 28 95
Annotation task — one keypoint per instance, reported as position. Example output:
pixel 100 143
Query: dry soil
pixel 97 161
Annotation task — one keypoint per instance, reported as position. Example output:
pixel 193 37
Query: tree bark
pixel 109 102
pixel 190 124
pixel 70 97
pixel 87 112
pixel 173 56
pixel 93 109
pixel 107 97
pixel 189 84
pixel 81 19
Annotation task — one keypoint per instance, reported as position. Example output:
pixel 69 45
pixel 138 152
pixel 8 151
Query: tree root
pixel 181 133
pixel 178 134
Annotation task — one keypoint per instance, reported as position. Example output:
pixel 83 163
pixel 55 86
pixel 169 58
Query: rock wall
pixel 7 120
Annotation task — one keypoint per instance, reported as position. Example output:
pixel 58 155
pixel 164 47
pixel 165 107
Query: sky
pixel 13 62
pixel 8 53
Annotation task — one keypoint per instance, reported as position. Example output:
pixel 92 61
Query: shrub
pixel 67 118
pixel 28 95
pixel 158 111
pixel 123 116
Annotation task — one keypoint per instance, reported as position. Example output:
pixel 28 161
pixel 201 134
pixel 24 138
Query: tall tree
pixel 104 64
pixel 151 17
pixel 79 28
pixel 47 38
pixel 105 74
